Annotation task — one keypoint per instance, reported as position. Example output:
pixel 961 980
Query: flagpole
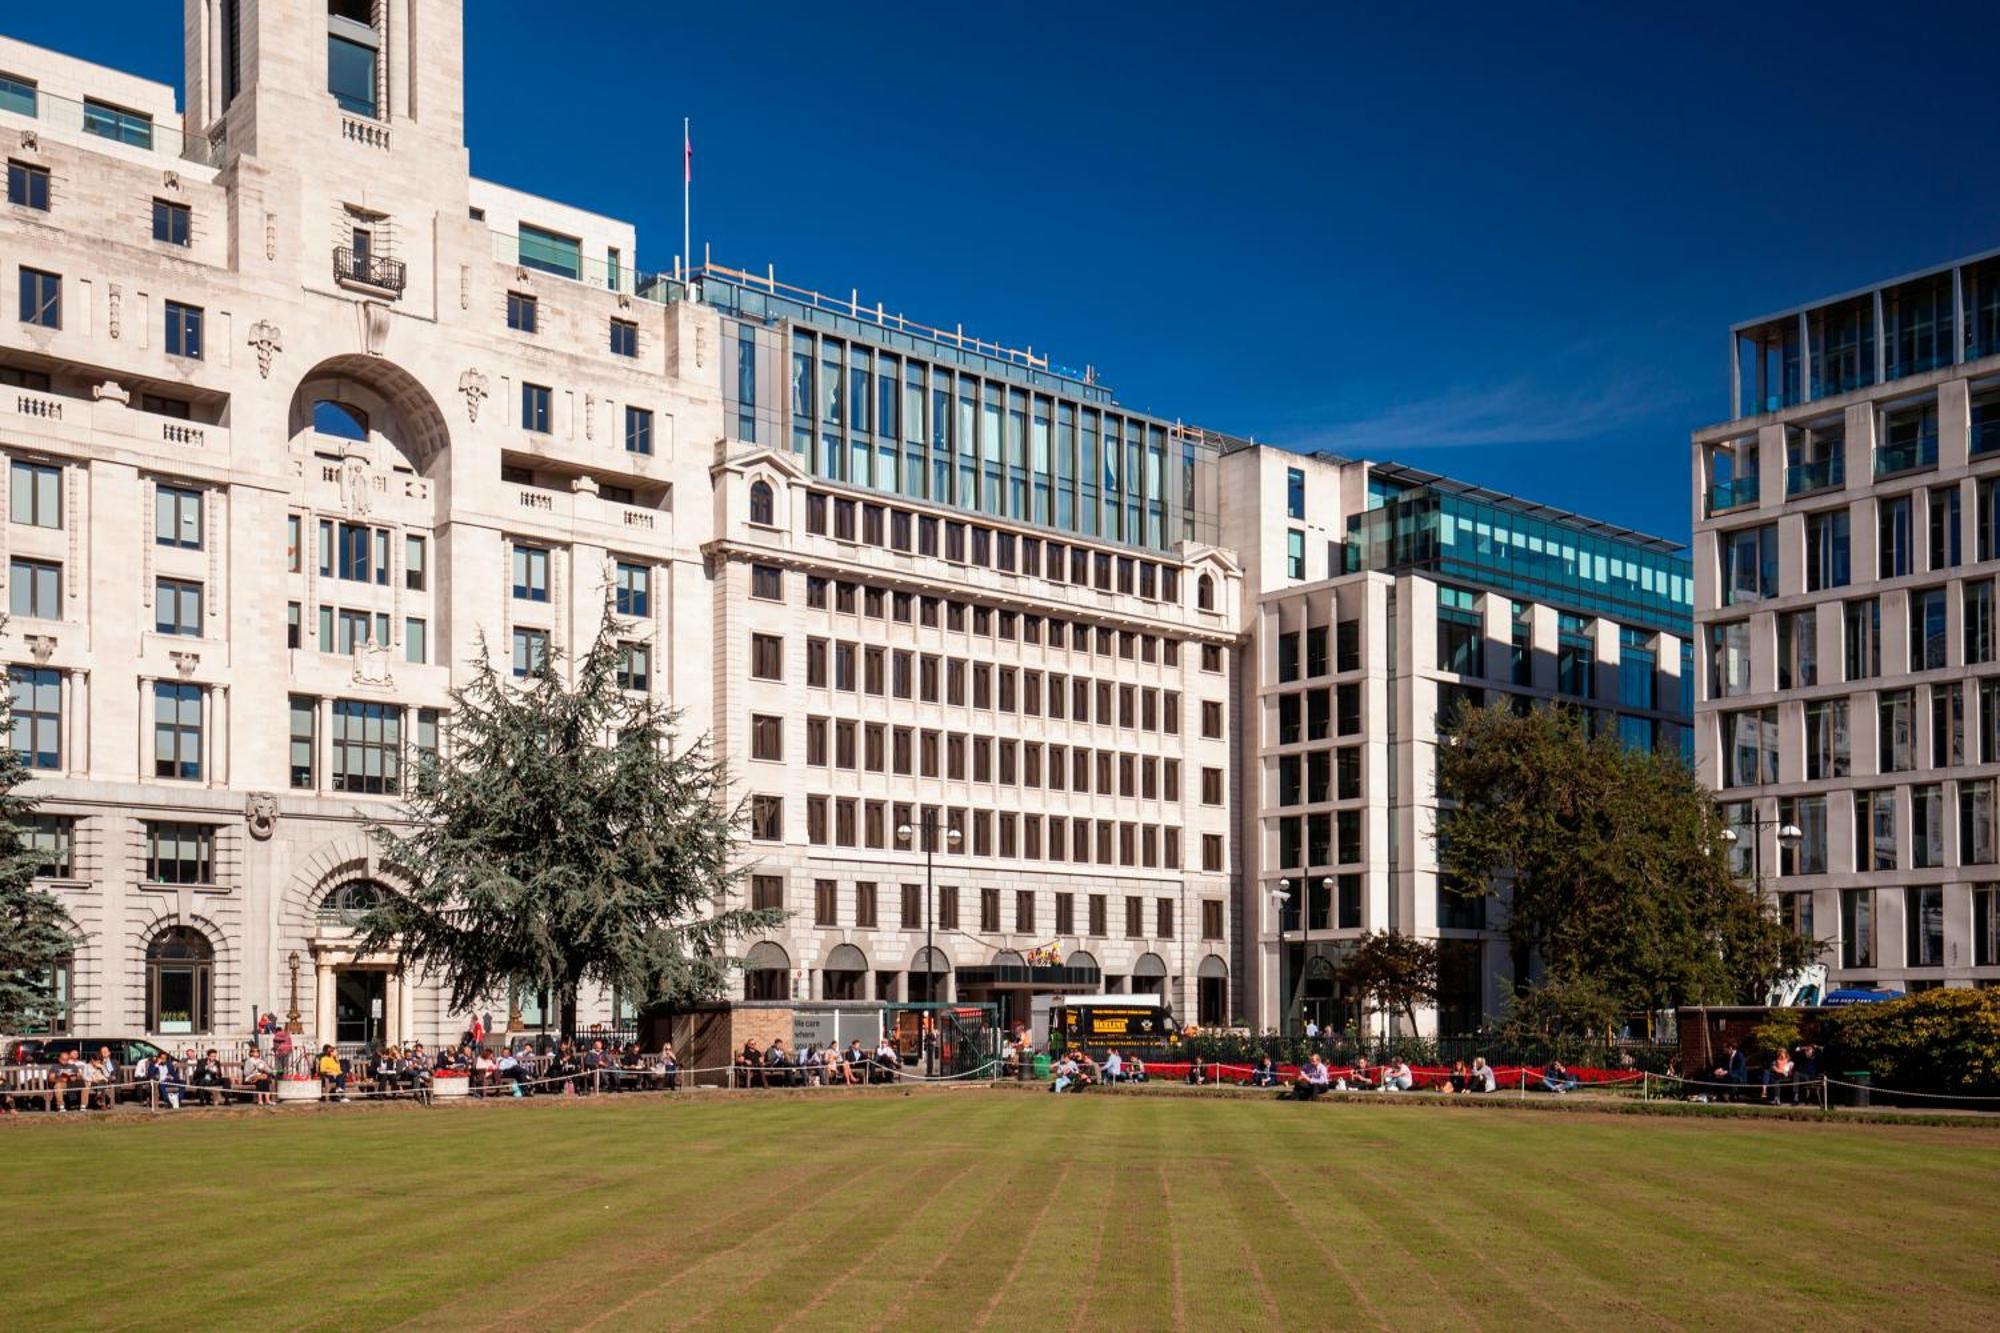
pixel 687 187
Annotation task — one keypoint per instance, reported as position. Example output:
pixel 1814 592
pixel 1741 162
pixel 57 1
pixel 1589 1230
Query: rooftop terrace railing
pixel 663 288
pixel 102 120
pixel 729 284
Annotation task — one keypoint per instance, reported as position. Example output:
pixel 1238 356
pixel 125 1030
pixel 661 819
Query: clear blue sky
pixel 1500 244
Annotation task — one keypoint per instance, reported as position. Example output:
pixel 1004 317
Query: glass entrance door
pixel 359 1005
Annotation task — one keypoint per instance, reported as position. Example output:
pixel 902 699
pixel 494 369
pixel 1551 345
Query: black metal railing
pixel 371 270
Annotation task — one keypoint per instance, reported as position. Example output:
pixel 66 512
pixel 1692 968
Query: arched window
pixel 349 902
pixel 1204 593
pixel 180 982
pixel 343 421
pixel 763 508
pixel 767 972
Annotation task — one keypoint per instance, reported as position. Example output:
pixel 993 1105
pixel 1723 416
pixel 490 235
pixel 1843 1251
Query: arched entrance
pixel 767 972
pixel 1149 976
pixel 930 977
pixel 1211 999
pixel 845 976
pixel 180 982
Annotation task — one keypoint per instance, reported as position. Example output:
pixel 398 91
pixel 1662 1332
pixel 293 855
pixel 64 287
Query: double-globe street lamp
pixel 1789 836
pixel 904 833
pixel 1280 896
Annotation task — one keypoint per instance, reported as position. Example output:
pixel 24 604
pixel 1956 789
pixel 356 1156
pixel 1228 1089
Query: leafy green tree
pixel 1944 1040
pixel 1611 863
pixel 564 836
pixel 34 930
pixel 1393 972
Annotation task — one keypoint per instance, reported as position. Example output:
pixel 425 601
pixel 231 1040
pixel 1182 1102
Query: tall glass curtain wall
pixel 898 423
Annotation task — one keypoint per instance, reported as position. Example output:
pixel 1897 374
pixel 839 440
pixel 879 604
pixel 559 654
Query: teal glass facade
pixel 873 404
pixel 1561 561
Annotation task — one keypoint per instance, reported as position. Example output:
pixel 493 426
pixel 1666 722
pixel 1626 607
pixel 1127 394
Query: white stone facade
pixel 1845 549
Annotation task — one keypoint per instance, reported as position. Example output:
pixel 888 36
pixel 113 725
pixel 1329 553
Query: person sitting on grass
pixel 1314 1078
pixel 1481 1077
pixel 1458 1080
pixel 1264 1074
pixel 1557 1078
pixel 1362 1078
pixel 1398 1077
pixel 1197 1075
pixel 1135 1070
pixel 1778 1078
pixel 1114 1066
pixel 1065 1078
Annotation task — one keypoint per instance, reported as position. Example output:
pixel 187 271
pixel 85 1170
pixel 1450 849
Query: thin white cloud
pixel 1465 417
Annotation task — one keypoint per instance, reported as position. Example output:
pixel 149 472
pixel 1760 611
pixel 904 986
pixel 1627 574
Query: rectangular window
pixel 179 853
pixel 304 714
pixel 117 124
pixel 171 222
pixel 34 588
pixel 52 838
pixel 1986 926
pixel 177 607
pixel 414 562
pixel 531 574
pixel 767 652
pixel 177 517
pixel 1135 918
pixel 635 667
pixel 1927 629
pixel 550 252
pixel 1295 493
pixel 183 330
pixel 767 818
pixel 767 583
pixel 41 298
pixel 416 640
pixel 531 651
pixel 523 312
pixel 1923 914
pixel 624 338
pixel 367 744
pixel 535 408
pixel 638 430
pixel 1295 554
pixel 27 185
pixel 1857 928
pixel 632 594
pixel 767 892
pixel 36 694
pixel 826 902
pixel 352 51
pixel 177 723
pixel 35 494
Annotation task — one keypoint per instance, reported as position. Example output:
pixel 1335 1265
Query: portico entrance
pixel 360 1004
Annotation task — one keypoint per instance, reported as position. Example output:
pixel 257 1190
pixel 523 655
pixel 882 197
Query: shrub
pixel 1945 1040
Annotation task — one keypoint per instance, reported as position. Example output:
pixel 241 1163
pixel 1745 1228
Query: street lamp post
pixel 1279 897
pixel 904 832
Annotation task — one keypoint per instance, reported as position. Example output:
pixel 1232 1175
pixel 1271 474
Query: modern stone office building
pixel 1845 542
pixel 1380 600
pixel 296 412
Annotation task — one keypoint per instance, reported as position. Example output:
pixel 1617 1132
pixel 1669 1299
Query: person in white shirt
pixel 1482 1075
pixel 1398 1077
pixel 1114 1067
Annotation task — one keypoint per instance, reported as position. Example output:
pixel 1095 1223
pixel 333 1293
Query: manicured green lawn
pixel 1003 1209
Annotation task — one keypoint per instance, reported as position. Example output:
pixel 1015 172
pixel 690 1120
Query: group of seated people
pixel 565 1067
pixel 1317 1076
pixel 816 1066
pixel 1076 1070
pixel 1780 1079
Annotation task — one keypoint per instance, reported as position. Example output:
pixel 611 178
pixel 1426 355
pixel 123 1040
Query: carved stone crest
pixel 31 142
pixel 185 663
pixel 260 813
pixel 268 340
pixel 473 385
pixel 42 646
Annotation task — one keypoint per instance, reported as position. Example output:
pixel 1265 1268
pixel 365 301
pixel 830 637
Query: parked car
pixel 47 1050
